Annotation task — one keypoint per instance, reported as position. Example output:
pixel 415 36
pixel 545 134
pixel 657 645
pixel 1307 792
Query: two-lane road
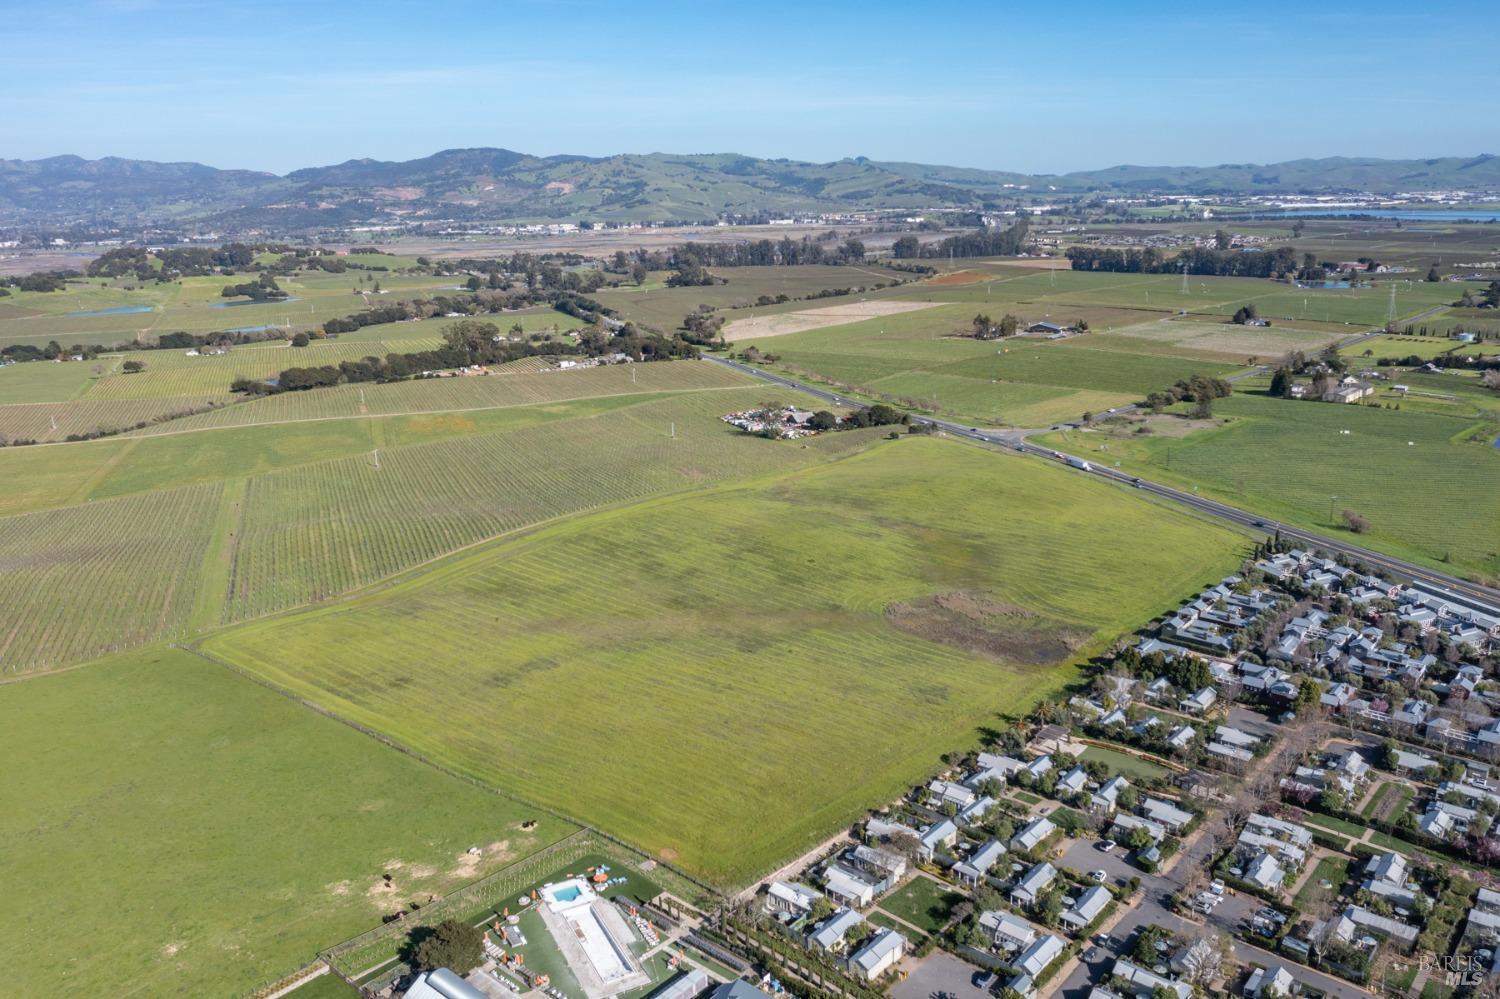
pixel 1015 440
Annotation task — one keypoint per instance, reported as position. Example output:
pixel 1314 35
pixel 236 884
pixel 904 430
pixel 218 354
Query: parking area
pixel 1085 857
pixel 939 975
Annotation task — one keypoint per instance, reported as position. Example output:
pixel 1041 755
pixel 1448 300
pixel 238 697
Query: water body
pixel 1404 214
pixel 1323 284
pixel 251 329
pixel 269 301
pixel 119 310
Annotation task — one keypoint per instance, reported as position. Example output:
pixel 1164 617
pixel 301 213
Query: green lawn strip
pixel 1336 825
pixel 879 918
pixel 326 986
pixel 1026 797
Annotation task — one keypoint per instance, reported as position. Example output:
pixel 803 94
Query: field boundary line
pixel 80 495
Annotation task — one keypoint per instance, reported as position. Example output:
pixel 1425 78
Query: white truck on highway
pixel 1079 463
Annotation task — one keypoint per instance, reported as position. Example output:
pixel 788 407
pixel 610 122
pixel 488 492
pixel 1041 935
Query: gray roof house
pixel 1032 884
pixel 882 951
pixel 782 896
pixel 979 862
pixel 1035 959
pixel 1200 701
pixel 1009 931
pixel 938 834
pixel 1088 907
pixel 1165 813
pixel 830 933
pixel 1032 834
pixel 1073 782
pixel 848 887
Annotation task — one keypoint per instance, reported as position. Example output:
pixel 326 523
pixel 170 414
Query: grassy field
pixel 922 902
pixel 96 311
pixel 1427 489
pixel 664 683
pixel 177 828
pixel 664 308
pixel 1022 382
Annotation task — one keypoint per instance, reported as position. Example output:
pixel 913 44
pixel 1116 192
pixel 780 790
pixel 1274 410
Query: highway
pixel 1015 440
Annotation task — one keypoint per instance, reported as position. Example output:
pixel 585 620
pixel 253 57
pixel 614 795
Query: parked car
pixel 1099 876
pixel 1107 846
pixel 984 979
pixel 1216 886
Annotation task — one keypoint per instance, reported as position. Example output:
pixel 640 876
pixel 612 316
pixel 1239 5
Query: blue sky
pixel 1029 86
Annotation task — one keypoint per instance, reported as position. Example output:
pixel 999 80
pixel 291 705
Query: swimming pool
pixel 567 894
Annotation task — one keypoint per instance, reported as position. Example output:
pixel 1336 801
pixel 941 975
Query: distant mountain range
pixel 501 185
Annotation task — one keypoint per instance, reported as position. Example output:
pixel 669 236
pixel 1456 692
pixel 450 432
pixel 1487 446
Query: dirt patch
pixel 984 625
pixel 957 277
pixel 667 853
pixel 812 319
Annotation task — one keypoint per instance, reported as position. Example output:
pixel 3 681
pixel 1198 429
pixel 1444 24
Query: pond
pixel 1323 284
pixel 251 301
pixel 119 310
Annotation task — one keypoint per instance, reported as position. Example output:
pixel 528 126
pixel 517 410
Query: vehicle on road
pixel 1080 464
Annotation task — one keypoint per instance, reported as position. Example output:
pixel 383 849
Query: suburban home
pixel 938 834
pixel 883 865
pixel 879 954
pixel 830 933
pixel 1235 737
pixel 1047 328
pixel 791 898
pixel 1264 870
pixel 976 810
pixel 980 863
pixel 941 793
pixel 1035 959
pixel 1009 932
pixel 1389 868
pixel 1357 918
pixel 1032 835
pixel 1108 794
pixel 995 767
pixel 1088 907
pixel 1039 767
pixel 1227 752
pixel 1165 813
pixel 1143 982
pixel 1416 763
pixel 1199 702
pixel 848 887
pixel 1032 884
pixel 1274 982
pixel 1182 737
pixel 1073 782
pixel 1124 824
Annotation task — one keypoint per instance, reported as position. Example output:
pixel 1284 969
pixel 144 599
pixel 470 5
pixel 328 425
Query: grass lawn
pixel 1120 762
pixel 891 923
pixel 905 595
pixel 1336 825
pixel 210 831
pixel 326 986
pixel 1334 870
pixel 1026 796
pixel 923 903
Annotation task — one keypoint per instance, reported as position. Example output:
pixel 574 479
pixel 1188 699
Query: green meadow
pixel 1425 476
pixel 179 829
pixel 724 677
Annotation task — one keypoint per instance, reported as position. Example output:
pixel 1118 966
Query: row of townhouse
pixel 1269 850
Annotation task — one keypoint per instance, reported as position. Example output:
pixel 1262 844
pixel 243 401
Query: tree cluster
pixel 1279 262
pixel 1199 389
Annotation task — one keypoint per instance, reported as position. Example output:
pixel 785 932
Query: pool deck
pixel 565 932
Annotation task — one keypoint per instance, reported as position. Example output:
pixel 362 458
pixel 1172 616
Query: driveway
pixel 939 972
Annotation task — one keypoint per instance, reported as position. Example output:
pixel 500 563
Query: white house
pixel 1035 959
pixel 830 933
pixel 1008 931
pixel 1032 834
pixel 793 898
pixel 1088 907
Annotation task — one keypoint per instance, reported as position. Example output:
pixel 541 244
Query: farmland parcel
pixel 726 677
